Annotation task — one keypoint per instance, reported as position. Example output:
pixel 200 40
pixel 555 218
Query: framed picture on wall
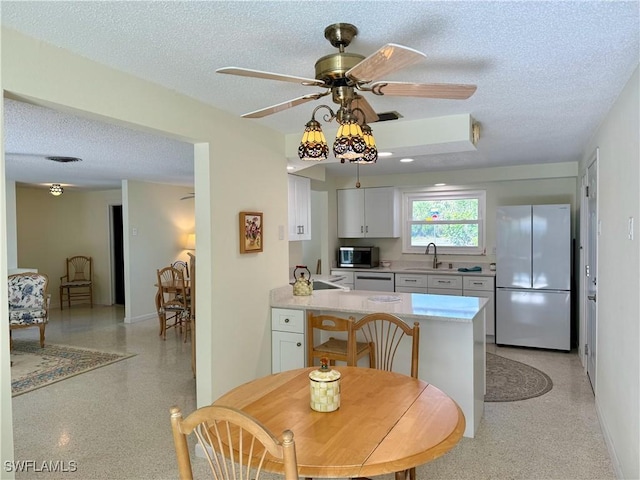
pixel 251 232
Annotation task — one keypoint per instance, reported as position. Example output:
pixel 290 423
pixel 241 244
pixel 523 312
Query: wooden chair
pixel 348 351
pixel 77 284
pixel 181 265
pixel 171 299
pixel 218 429
pixel 384 332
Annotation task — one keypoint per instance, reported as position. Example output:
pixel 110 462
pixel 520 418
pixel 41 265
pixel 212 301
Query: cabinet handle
pixel 410 280
pixel 367 229
pixel 478 283
pixel 302 228
pixel 286 320
pixel 444 281
pixel 361 229
pixel 298 344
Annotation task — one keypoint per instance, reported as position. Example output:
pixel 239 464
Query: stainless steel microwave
pixel 358 257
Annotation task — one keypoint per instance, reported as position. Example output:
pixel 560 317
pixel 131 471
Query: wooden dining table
pixel 387 422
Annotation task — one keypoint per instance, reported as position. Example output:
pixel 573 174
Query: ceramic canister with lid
pixel 324 386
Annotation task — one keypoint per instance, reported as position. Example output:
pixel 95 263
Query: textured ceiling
pixel 547 73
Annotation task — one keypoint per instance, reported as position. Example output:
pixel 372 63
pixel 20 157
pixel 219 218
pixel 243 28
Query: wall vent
pixel 64 159
pixel 386 116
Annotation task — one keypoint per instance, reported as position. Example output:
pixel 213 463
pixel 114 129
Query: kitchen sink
pixel 420 269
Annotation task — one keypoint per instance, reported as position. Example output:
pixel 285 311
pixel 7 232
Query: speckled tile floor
pixel 113 422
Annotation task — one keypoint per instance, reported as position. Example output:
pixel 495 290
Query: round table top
pixel 387 422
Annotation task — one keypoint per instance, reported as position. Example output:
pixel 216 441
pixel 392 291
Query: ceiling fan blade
pixel 386 60
pixel 247 72
pixel 263 112
pixel 426 90
pixel 369 113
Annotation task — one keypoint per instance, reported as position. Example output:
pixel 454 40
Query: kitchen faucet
pixel 435 254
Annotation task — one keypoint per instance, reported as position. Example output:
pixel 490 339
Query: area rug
pixel 510 381
pixel 34 367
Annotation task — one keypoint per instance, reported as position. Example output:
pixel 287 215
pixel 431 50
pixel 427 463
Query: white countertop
pixel 423 268
pixel 406 305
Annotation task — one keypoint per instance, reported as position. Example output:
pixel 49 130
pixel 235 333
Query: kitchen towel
pixel 470 269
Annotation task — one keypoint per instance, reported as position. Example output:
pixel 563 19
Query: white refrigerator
pixel 533 276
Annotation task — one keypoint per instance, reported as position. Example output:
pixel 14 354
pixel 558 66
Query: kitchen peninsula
pixel 452 336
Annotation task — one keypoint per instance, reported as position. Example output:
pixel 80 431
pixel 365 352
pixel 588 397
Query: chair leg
pixel 61 302
pixel 42 326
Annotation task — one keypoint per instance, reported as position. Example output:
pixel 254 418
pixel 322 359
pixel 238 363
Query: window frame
pixel 409 196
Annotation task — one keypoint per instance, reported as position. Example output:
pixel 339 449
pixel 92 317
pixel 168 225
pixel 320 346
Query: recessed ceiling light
pixel 290 167
pixel 439 184
pixel 406 160
pixel 384 154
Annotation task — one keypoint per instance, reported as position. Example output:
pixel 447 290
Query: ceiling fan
pixel 345 75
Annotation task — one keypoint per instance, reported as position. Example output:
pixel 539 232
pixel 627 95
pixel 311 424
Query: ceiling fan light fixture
pixel 370 154
pixel 56 190
pixel 349 143
pixel 313 146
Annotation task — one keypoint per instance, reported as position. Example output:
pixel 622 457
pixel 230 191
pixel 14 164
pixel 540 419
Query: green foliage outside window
pixel 446 222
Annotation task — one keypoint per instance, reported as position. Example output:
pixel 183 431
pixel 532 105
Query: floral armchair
pixel 29 302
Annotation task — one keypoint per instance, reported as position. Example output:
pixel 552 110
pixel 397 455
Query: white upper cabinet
pixel 299 208
pixel 369 213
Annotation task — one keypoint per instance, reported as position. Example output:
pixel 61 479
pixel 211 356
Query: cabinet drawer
pixel 445 281
pixel 403 280
pixel 478 283
pixel 287 320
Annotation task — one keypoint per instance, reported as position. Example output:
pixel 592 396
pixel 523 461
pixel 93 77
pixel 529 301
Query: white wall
pixel 553 183
pixel 231 175
pixel 6 411
pixel 161 222
pixel 12 233
pixel 618 329
pixel 50 229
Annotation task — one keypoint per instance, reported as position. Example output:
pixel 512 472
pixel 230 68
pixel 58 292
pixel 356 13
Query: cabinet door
pixel 287 351
pixel 299 208
pixel 380 213
pixel 351 213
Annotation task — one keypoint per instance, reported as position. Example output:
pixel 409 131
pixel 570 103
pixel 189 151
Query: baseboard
pixel 140 318
pixel 607 440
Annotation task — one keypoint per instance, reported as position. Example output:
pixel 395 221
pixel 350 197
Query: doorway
pixel 117 255
pixel 591 270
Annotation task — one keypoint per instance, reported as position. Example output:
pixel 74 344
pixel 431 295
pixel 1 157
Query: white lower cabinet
pixel 444 284
pixel 483 287
pixel 465 285
pixel 287 339
pixel 407 283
